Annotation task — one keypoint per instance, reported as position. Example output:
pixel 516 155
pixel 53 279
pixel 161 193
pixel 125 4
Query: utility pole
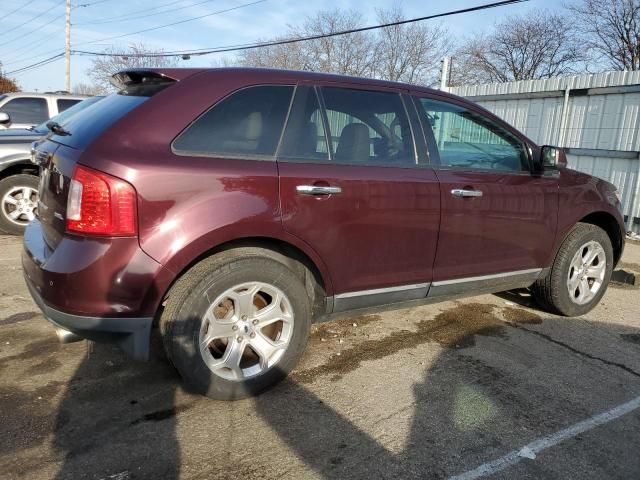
pixel 445 72
pixel 67 49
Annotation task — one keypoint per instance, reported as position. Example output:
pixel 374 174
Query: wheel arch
pixel 17 167
pixel 610 225
pixel 300 262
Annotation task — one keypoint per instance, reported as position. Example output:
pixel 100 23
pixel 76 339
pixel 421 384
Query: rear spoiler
pixel 148 81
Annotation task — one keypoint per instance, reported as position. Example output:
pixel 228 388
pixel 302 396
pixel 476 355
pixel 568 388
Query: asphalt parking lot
pixel 485 387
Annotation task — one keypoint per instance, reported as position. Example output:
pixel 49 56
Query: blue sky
pixel 25 40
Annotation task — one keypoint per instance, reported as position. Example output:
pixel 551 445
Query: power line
pixel 150 14
pixel 31 20
pixel 127 16
pixel 35 65
pixel 235 48
pixel 18 9
pixel 174 23
pixel 30 32
pixel 280 42
pixel 83 5
pixel 19 52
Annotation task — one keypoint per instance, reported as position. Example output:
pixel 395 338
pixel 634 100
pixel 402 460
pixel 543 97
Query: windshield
pixel 61 118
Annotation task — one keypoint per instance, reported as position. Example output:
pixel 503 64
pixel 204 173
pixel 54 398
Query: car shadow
pixel 522 297
pixel 118 418
pixel 470 407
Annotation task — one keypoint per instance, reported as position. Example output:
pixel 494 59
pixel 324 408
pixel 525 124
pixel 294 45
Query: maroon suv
pixel 236 207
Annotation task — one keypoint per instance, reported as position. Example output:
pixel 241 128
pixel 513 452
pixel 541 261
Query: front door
pixel 351 188
pixel 498 219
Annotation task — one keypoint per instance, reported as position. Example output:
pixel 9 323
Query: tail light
pixel 100 204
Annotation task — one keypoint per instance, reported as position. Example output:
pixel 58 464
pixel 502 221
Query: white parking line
pixel 532 449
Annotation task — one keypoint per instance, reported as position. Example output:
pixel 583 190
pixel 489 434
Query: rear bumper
pixel 131 334
pixel 102 289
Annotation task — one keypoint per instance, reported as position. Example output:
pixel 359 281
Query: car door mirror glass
pixel 553 157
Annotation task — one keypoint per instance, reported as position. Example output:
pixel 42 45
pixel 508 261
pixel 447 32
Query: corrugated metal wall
pixel 596 116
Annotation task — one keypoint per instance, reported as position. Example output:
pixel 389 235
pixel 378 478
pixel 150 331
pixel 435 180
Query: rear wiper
pixel 58 129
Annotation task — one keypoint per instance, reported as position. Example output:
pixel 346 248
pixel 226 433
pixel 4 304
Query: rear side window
pixel 28 110
pixel 248 123
pixel 368 127
pixel 468 140
pixel 65 103
pixel 304 136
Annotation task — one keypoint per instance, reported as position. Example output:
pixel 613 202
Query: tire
pixel 562 290
pixel 212 288
pixel 11 189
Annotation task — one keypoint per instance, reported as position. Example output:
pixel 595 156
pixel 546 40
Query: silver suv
pixel 23 110
pixel 19 176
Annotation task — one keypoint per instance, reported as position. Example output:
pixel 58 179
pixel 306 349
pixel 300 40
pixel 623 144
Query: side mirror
pixel 5 119
pixel 553 157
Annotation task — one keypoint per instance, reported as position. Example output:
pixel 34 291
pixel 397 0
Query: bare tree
pixel 532 46
pixel 611 30
pixel 87 89
pixel 349 54
pixel 410 52
pixel 135 56
pixel 286 56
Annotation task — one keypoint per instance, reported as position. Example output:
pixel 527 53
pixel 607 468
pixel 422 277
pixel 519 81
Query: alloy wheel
pixel 19 205
pixel 246 330
pixel 586 272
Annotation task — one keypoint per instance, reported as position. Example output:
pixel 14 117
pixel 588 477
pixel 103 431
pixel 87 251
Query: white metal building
pixel 595 116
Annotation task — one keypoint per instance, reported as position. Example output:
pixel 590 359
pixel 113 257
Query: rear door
pixel 498 219
pixel 351 189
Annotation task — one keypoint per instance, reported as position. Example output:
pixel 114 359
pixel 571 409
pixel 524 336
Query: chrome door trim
pixel 497 282
pixel 434 291
pixel 481 278
pixel 379 296
pixel 376 291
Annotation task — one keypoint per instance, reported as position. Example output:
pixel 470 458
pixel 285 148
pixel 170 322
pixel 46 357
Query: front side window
pixel 468 140
pixel 247 123
pixel 29 110
pixel 368 127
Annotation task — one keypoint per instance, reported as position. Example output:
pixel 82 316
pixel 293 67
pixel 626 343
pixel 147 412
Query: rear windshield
pixel 88 124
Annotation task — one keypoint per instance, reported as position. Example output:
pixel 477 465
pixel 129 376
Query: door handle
pixel 317 190
pixel 460 192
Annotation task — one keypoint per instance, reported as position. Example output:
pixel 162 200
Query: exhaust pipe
pixel 65 336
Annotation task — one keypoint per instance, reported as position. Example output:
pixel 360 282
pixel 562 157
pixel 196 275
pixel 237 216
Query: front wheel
pixel 580 273
pixel 236 324
pixel 18 202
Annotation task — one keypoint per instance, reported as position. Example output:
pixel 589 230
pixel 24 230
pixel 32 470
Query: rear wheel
pixel 18 202
pixel 580 273
pixel 236 324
